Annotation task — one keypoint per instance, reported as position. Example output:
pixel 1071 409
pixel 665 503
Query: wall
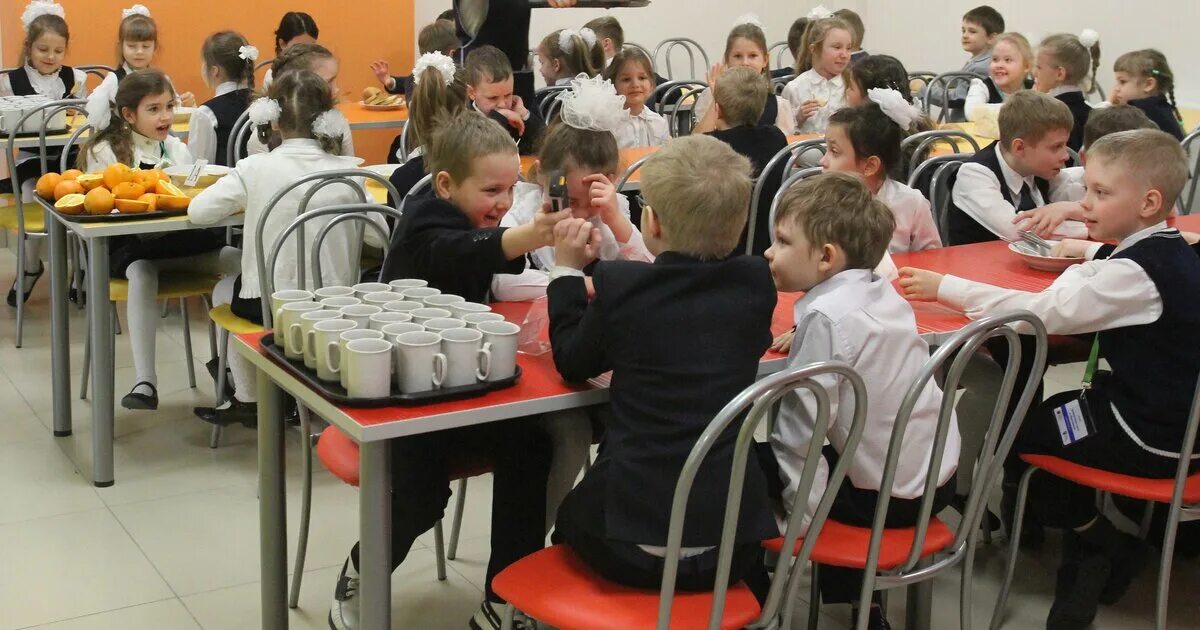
pixel 184 24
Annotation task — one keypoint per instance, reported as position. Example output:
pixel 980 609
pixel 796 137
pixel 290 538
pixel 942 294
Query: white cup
pixel 287 296
pixel 336 303
pixel 335 291
pixel 325 334
pixel 423 315
pixel 463 308
pixel 418 294
pixel 402 306
pixel 364 288
pixel 420 365
pixel 500 345
pixel 466 363
pixel 442 301
pixel 379 298
pixel 360 314
pixel 391 331
pixel 438 324
pixel 345 338
pixel 407 283
pixel 475 319
pixel 289 315
pixel 379 320
pixel 365 367
pixel 304 328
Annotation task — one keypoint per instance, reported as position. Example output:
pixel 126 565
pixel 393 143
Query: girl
pixel 438 94
pixel 229 70
pixel 134 130
pixel 137 43
pixel 866 141
pixel 884 72
pixel 1012 61
pixel 632 73
pixel 1062 65
pixel 42 73
pixel 746 46
pixel 566 53
pixel 315 58
pixel 302 109
pixel 818 89
pixel 1144 80
pixel 296 27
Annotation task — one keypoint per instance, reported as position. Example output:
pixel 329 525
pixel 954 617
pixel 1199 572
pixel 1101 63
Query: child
pixel 866 141
pixel 644 324
pixel 1018 172
pixel 1063 63
pixel 439 93
pixel 137 42
pixel 295 27
pixel 632 73
pixel 795 34
pixel 134 129
pixel 318 59
pixel 857 30
pixel 1102 122
pixel 566 53
pixel 819 89
pixel 454 241
pixel 1144 80
pixel 490 89
pixel 980 26
pixel 741 95
pixel 1012 61
pixel 301 107
pixel 745 47
pixel 437 37
pixel 886 73
pixel 1140 304
pixel 611 35
pixel 830 233
pixel 229 71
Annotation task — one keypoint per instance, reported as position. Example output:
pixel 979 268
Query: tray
pixel 597 4
pixel 382 108
pixel 34 134
pixel 114 217
pixel 335 392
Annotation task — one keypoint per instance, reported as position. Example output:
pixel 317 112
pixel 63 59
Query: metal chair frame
pixel 663 91
pixel 948 81
pixel 242 128
pixel 926 139
pixel 681 108
pixel 690 46
pixel 1189 200
pixel 633 168
pixel 778 50
pixel 547 100
pixel 795 148
pixel 940 194
pixel 787 183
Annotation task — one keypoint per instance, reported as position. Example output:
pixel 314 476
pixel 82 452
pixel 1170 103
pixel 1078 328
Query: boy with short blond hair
pixel 1143 303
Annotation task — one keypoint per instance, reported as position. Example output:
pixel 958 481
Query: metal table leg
pixel 375 535
pixel 100 315
pixel 272 505
pixel 60 340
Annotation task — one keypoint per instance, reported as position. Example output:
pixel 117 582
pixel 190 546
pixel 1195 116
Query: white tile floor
pixel 174 543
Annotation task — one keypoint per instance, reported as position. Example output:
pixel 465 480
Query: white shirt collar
pixel 1064 89
pixel 834 283
pixel 127 68
pixel 1013 179
pixel 35 73
pixel 1140 235
pixel 147 146
pixel 644 115
pixel 227 87
pixel 301 143
pixel 815 78
pixel 985 55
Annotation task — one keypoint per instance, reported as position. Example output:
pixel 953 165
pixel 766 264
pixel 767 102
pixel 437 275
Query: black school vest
pixel 1080 110
pixel 770 112
pixel 19 80
pixel 227 108
pixel 1154 366
pixel 963 228
pixel 1159 110
pixel 120 72
pixel 994 95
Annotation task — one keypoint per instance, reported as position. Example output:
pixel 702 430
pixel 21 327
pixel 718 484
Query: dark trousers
pixel 519 452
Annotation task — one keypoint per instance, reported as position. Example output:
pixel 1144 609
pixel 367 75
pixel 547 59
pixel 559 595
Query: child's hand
pixel 187 99
pixel 544 222
pixel 1112 96
pixel 382 72
pixel 603 197
pixel 518 106
pixel 919 284
pixel 576 243
pixel 1070 248
pixel 713 73
pixel 783 343
pixel 1045 220
pixel 514 120
pixel 807 110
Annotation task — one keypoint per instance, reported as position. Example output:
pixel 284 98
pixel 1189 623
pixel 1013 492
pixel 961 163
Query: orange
pixel 172 202
pixel 116 174
pixel 72 173
pixel 129 190
pixel 46 184
pixel 67 187
pixel 98 201
pixel 151 199
pixel 162 175
pixel 165 187
pixel 132 206
pixel 70 204
pixel 146 178
pixel 90 180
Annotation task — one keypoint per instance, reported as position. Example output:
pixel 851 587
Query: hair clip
pixel 592 104
pixel 264 111
pixel 248 53
pixel 893 105
pixel 137 9
pixel 329 124
pixel 819 12
pixel 38 8
pixel 442 63
pixel 748 18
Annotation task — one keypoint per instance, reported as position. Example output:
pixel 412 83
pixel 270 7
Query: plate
pixel 1043 263
pixel 383 169
pixel 212 172
pixel 382 108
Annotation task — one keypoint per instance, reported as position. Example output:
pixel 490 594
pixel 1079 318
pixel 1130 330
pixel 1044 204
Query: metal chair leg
pixel 20 281
pixel 187 343
pixel 116 319
pixel 1163 589
pixel 510 613
pixel 214 438
pixel 87 362
pixel 966 584
pixel 212 328
pixel 814 597
pixel 305 506
pixel 1014 547
pixel 440 550
pixel 456 524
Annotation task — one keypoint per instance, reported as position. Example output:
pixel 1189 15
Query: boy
pixel 453 241
pixel 1019 172
pixel 611 35
pixel 490 88
pixel 830 232
pixel 741 95
pixel 980 26
pixel 794 36
pixel 1141 302
pixel 857 32
pixel 436 37
pixel 644 324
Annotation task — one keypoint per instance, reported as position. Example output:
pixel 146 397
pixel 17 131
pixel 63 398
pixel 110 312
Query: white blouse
pixel 164 153
pixel 647 129
pixel 784 117
pixel 48 85
pixel 254 146
pixel 202 129
pixel 812 86
pixel 915 229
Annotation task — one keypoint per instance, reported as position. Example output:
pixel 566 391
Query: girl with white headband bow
pixel 137 43
pixel 566 53
pixel 228 68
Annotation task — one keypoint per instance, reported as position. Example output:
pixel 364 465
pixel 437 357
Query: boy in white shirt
pixel 830 232
pixel 1144 304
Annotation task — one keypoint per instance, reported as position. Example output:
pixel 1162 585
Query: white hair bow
pixel 442 63
pixel 566 38
pixel 248 53
pixel 894 106
pixel 38 8
pixel 264 111
pixel 748 18
pixel 329 124
pixel 819 12
pixel 592 104
pixel 1089 38
pixel 100 103
pixel 137 9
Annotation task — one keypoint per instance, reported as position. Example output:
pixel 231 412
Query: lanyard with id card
pixel 1075 417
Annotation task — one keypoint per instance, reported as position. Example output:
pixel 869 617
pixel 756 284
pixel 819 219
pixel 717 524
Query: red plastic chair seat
pixel 842 545
pixel 1125 485
pixel 555 587
pixel 339 454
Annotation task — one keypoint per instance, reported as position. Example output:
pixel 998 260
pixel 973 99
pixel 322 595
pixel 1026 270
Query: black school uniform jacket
pixel 1080 110
pixel 682 338
pixel 759 144
pixel 963 228
pixel 529 140
pixel 1159 110
pixel 435 241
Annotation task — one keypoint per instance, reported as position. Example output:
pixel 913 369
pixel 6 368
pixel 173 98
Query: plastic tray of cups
pixel 112 217
pixel 336 393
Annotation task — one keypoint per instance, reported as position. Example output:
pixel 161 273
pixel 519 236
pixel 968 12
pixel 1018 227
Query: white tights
pixel 243 374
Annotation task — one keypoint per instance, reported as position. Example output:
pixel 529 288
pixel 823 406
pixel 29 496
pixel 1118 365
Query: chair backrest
pixel 97 70
pixel 925 140
pixel 667 95
pixel 924 76
pixel 685 106
pixel 940 194
pixel 547 100
pixel 778 83
pixel 787 183
pixel 45 112
pixel 693 49
pixel 633 168
pixel 948 81
pixel 239 135
pixel 646 51
pixel 263 64
pixel 759 398
pixel 422 185
pixel 780 51
pixel 1189 144
pixel 403 151
pixel 775 163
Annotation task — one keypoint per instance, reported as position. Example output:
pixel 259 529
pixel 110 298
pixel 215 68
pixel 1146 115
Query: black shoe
pixel 12 293
pixel 245 414
pixel 1032 534
pixel 1075 608
pixel 137 400
pixel 212 366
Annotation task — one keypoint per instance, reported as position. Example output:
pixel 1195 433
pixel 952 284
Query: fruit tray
pixel 113 217
pixel 336 393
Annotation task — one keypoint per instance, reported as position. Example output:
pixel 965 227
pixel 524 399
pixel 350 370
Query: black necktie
pixel 1026 202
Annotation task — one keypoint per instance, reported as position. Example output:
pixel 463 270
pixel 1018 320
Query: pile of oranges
pixel 117 187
